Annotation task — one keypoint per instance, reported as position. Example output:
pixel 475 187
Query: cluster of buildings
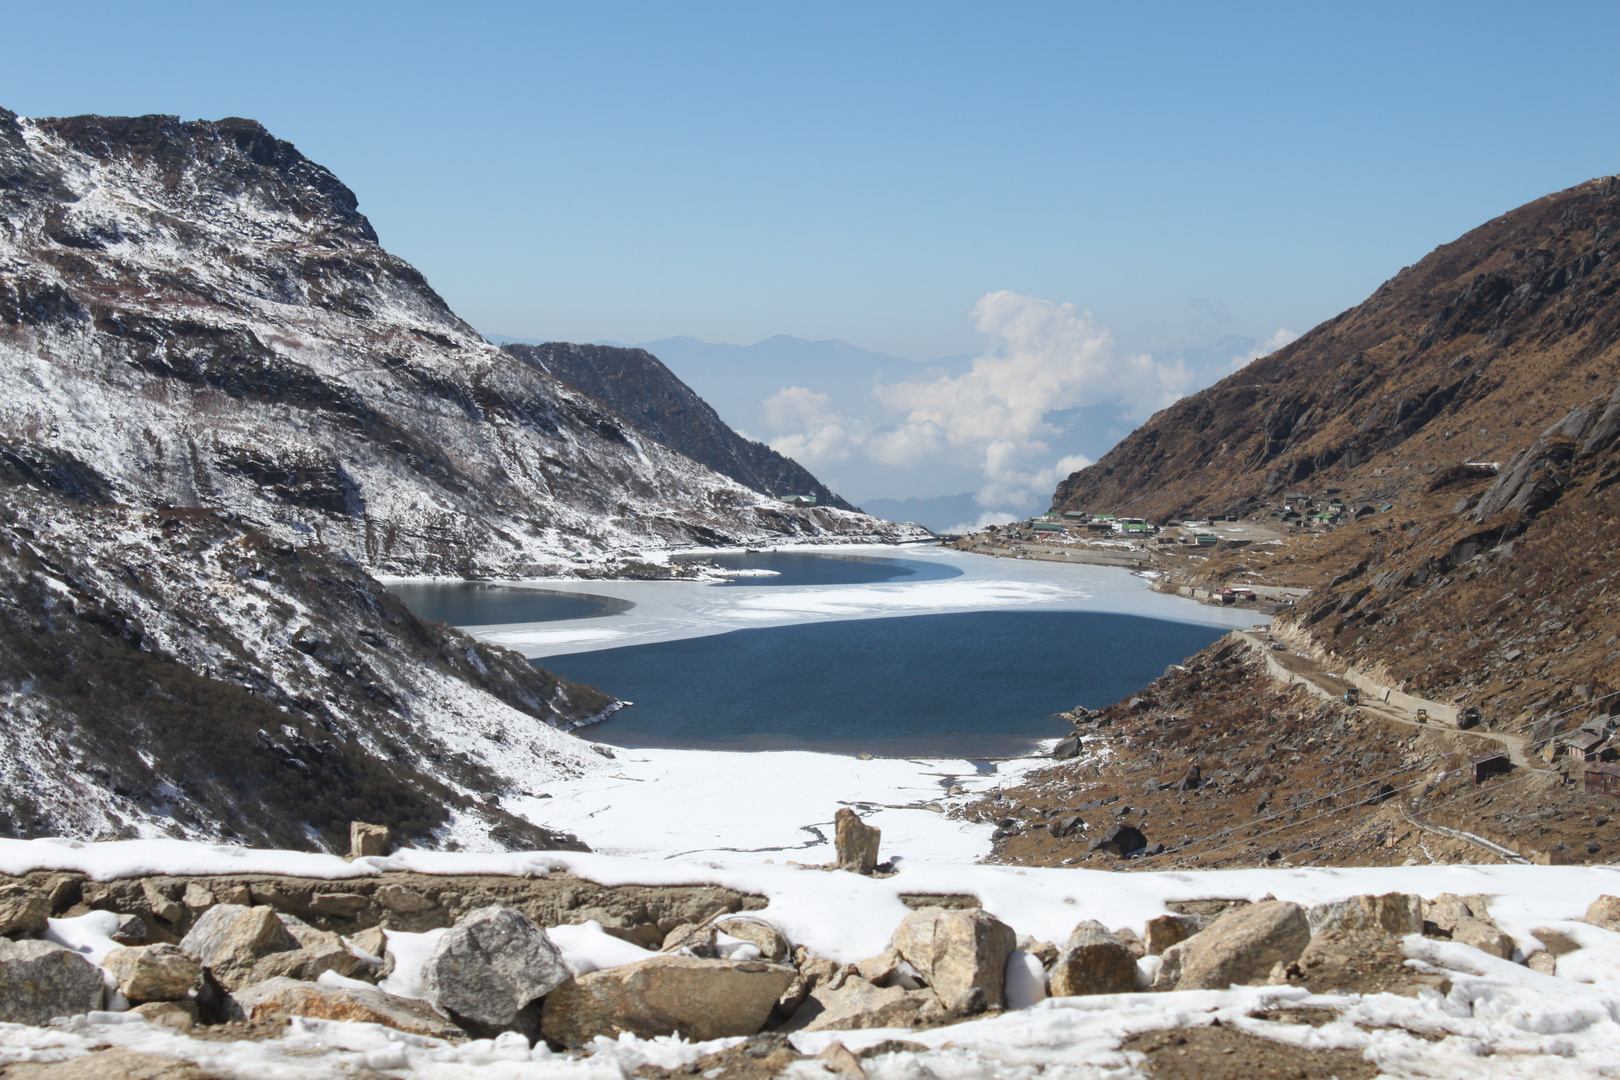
pixel 1321 511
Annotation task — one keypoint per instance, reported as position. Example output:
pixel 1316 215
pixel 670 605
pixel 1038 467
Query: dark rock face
pixel 636 384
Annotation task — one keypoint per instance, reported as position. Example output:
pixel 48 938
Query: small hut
pixel 1484 766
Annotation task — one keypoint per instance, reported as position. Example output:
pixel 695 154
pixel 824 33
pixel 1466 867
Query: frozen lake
pixel 897 652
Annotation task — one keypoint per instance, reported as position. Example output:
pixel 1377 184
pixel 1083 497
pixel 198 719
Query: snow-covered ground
pixel 1499 1019
pixel 671 610
pixel 774 805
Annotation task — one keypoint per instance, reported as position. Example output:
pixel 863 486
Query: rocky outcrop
pixel 636 385
pixel 666 995
pixel 490 966
pixel 961 955
pixel 154 972
pixel 283 996
pixel 855 841
pixel 40 980
pixel 1243 946
pixel 1093 961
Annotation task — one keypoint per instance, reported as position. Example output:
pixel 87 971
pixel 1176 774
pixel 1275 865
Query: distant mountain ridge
pixel 637 385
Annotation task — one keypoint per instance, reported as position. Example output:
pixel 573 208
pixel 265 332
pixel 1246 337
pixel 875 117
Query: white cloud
pixel 984 521
pixel 1047 356
pixel 1012 480
pixel 1044 357
pixel 1282 337
pixel 818 436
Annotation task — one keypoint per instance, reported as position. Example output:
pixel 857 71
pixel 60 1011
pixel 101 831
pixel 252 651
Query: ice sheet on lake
pixel 671 610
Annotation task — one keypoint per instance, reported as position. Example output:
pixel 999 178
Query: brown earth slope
pixel 1489 587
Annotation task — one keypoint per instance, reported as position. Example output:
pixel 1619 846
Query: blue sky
pixel 873 172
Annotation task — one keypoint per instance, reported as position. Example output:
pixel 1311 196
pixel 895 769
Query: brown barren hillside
pixel 1489 587
pixel 1465 356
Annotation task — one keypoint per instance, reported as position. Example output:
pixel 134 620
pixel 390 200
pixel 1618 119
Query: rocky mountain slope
pixel 180 672
pixel 636 385
pixel 225 406
pixel 1462 357
pixel 1467 417
pixel 195 314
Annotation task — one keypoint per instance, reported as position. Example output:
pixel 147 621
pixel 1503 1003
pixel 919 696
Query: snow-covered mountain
pixel 223 407
pixel 195 314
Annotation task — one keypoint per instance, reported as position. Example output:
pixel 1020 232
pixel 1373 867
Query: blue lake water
pixel 472 603
pixel 966 683
pixel 811 568
pixel 974 684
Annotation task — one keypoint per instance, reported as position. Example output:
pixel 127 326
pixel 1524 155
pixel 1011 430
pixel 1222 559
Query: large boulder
pixel 1119 840
pixel 961 954
pixel 1391 913
pixel 292 997
pixel 230 940
pixel 23 910
pixel 318 951
pixel 153 972
pixel 856 842
pixel 40 980
pixel 1484 936
pixel 1164 931
pixel 1093 961
pixel 1242 946
pixel 856 1004
pixel 773 944
pixel 490 965
pixel 693 998
pixel 1604 912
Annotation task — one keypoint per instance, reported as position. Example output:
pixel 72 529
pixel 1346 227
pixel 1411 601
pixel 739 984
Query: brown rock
pixel 1167 930
pixel 961 954
pixel 366 840
pixel 1393 913
pixel 343 905
pixel 666 995
pixel 23 910
pixel 230 940
pixel 773 944
pixel 856 841
pixel 196 898
pixel 1604 912
pixel 1484 936
pixel 292 997
pixel 162 904
pixel 180 1015
pixel 399 898
pixel 154 972
pixel 108 1065
pixel 854 1004
pixel 1242 946
pixel 1093 961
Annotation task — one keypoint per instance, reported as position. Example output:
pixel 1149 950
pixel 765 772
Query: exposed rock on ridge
pixel 195 314
pixel 637 385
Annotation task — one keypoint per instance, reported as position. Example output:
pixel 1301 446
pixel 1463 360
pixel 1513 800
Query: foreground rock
pixel 40 980
pixel 854 1004
pixel 491 965
pixel 117 1064
pixel 23 910
pixel 1093 961
pixel 666 995
pixel 291 997
pixel 231 939
pixel 856 842
pixel 1243 946
pixel 1391 913
pixel 961 955
pixel 154 972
